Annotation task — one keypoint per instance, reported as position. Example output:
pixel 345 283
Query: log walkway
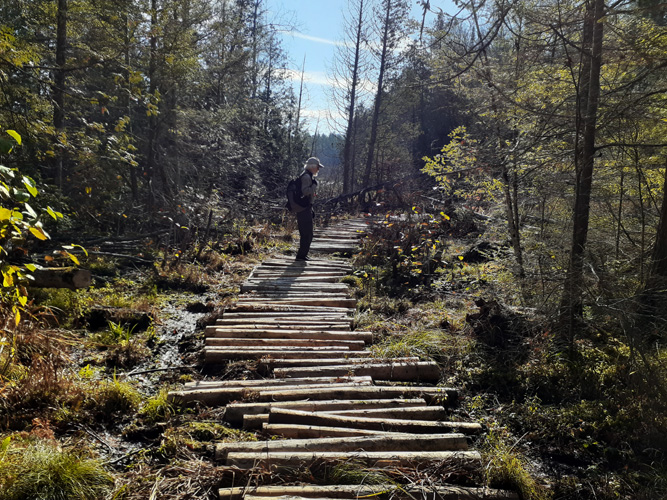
pixel 323 392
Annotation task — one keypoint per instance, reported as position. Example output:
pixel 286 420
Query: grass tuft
pixel 42 471
pixel 508 469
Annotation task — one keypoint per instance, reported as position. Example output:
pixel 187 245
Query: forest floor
pixel 88 379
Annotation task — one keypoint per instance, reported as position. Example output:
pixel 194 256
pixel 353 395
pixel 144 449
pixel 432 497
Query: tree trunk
pixel 348 157
pixel 378 96
pixel 59 88
pixel 572 300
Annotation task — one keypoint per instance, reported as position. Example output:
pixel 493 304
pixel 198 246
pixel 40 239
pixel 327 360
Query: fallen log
pixel 285 416
pixel 425 371
pixel 235 412
pixel 357 491
pixel 280 461
pixel 60 277
pixel 398 442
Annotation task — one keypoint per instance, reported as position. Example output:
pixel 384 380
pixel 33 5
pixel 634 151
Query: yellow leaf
pixel 23 300
pixel 39 233
pixel 460 257
pixel 89 190
pixel 5 213
pixel 73 258
pixel 17 315
pixel 15 135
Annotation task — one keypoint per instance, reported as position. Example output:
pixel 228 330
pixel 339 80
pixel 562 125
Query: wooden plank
pixel 284 416
pixel 281 320
pixel 334 302
pixel 223 395
pixel 352 345
pixel 359 491
pixel 373 392
pixel 318 325
pixel 207 384
pixel 268 364
pixel 398 442
pixel 286 314
pixel 234 412
pixel 284 308
pixel 416 412
pixel 222 354
pixel 424 371
pixel 212 331
pixel 295 431
pixel 279 461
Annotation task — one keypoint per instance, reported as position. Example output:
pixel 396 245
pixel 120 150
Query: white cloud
pixel 297 34
pixel 310 77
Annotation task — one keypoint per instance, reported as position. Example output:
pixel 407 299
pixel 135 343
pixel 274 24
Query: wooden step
pixel 402 442
pixel 367 491
pixel 424 371
pixel 269 364
pixel 234 412
pixel 214 355
pixel 269 382
pixel 288 333
pixel 361 392
pixel 296 431
pixel 223 395
pixel 352 345
pixel 285 416
pixel 418 413
pixel 281 461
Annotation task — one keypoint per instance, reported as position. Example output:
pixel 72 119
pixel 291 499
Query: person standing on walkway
pixel 305 215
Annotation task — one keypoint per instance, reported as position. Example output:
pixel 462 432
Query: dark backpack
pixel 294 195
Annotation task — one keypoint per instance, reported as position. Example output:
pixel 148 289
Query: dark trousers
pixel 305 221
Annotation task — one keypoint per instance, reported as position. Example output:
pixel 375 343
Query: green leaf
pixel 15 135
pixel 4 446
pixel 6 146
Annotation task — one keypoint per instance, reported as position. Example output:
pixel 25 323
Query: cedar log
pixel 61 277
pixel 399 442
pixel 280 461
pixel 283 416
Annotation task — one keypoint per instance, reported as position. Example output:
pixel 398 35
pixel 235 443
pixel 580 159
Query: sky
pixel 312 29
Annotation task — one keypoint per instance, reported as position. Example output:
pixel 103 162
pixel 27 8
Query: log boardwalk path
pixel 320 389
